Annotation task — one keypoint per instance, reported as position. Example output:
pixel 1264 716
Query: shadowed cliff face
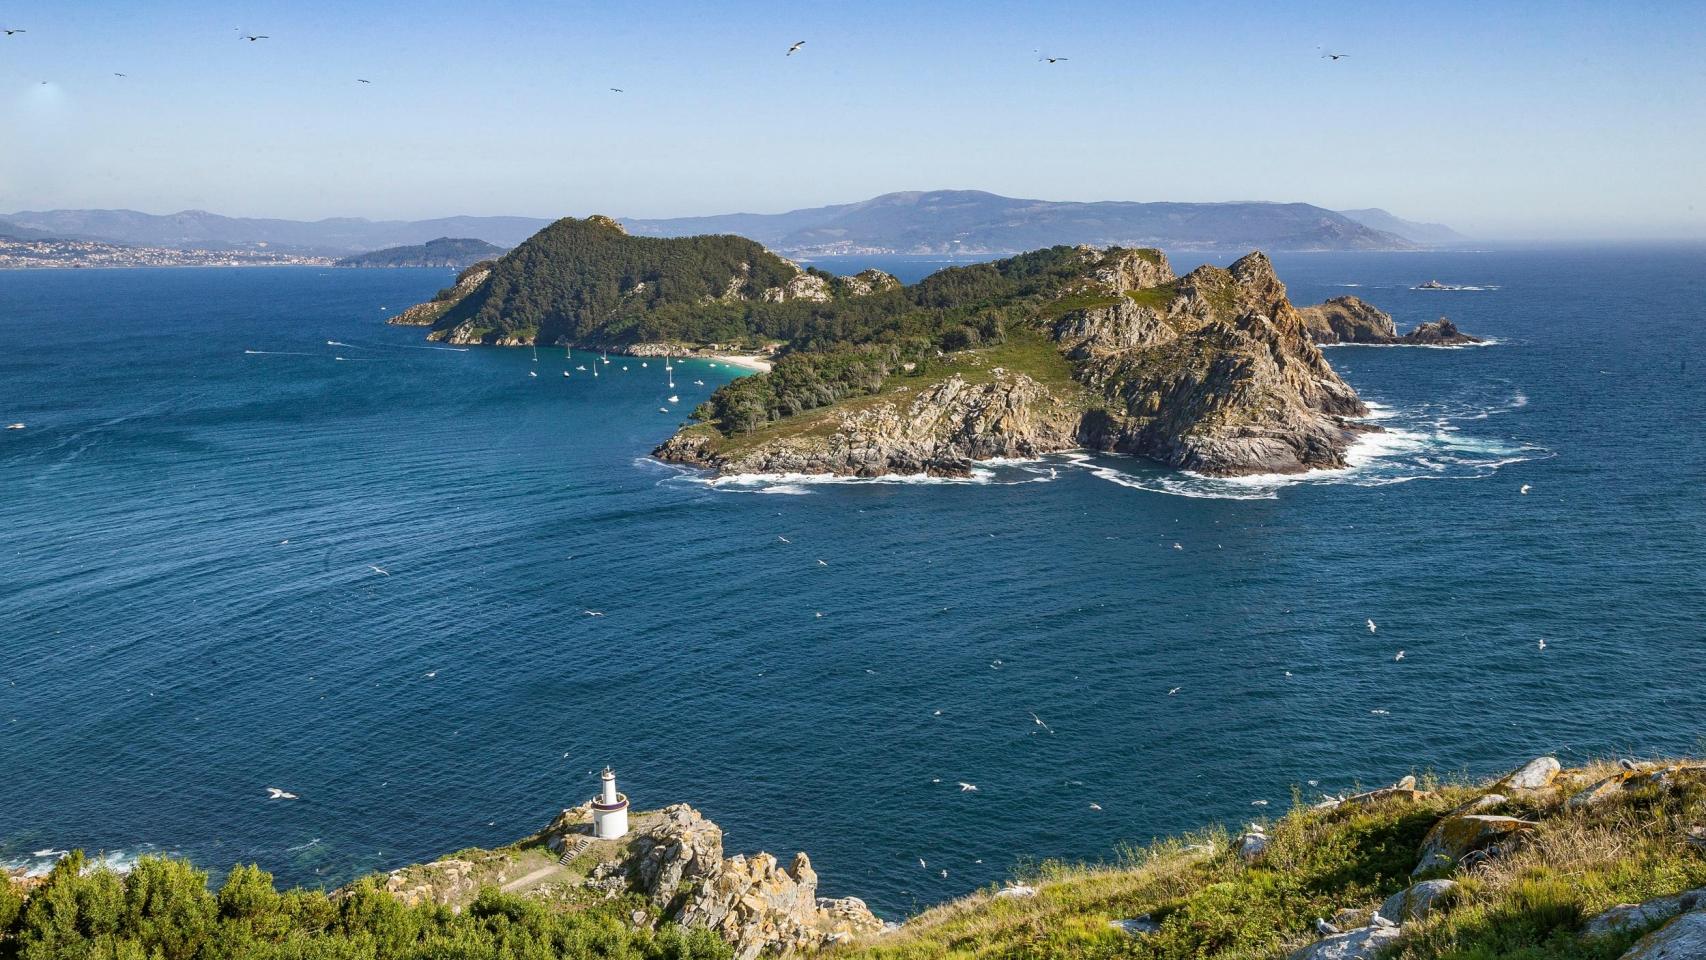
pixel 1213 372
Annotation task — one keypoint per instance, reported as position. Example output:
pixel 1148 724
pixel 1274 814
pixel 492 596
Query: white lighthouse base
pixel 610 823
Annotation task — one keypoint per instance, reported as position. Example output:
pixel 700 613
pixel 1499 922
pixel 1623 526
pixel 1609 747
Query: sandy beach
pixel 757 364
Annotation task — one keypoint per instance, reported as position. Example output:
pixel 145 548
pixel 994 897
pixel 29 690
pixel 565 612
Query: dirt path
pixel 532 878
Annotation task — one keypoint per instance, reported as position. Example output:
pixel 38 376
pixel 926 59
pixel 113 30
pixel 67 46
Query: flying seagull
pixel 1333 56
pixel 1400 656
pixel 783 539
pixel 615 89
pixel 1039 722
pixel 379 570
pixel 967 787
pixel 1372 627
pixel 10 32
pixel 793 49
pixel 593 613
pixel 1052 59
pixel 359 80
pixel 274 793
pixel 119 74
pixel 252 37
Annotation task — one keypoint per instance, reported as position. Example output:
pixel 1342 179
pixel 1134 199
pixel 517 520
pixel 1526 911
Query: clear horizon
pixel 1531 122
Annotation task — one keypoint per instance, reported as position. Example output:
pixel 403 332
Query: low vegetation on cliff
pixel 1598 863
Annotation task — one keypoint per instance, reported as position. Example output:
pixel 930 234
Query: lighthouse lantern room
pixel 609 809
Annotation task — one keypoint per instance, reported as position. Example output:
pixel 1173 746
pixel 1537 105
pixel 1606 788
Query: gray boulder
pixel 1536 773
pixel 1359 944
pixel 1417 901
pixel 1682 939
pixel 1633 916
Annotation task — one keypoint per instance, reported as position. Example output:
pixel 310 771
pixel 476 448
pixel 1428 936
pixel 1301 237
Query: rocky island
pixel 1602 862
pixel 1352 320
pixel 445 252
pixel 1063 348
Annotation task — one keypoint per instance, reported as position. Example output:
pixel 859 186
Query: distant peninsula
pixel 1056 349
pixel 446 252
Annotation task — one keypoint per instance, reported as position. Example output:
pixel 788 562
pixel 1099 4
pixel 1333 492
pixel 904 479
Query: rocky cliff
pixel 1353 320
pixel 1212 372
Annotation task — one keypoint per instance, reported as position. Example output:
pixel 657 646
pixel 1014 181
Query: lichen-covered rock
pixel 866 282
pixel 1122 325
pixel 1359 944
pixel 1455 836
pixel 1119 271
pixel 1601 790
pixel 1348 320
pixel 1533 775
pixel 1417 901
pixel 1137 926
pixel 1681 939
pixel 803 286
pixel 1634 916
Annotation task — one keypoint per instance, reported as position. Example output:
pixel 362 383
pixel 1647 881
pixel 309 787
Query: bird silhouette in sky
pixel 795 48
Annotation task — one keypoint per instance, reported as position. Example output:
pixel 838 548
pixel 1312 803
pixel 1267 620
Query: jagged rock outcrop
pixel 869 281
pixel 753 902
pixel 1354 320
pixel 802 286
pixel 1439 333
pixel 1212 372
pixel 939 431
pixel 1348 320
pixel 427 314
pixel 1634 916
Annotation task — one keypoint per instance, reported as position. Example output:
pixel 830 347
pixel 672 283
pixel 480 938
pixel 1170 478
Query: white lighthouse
pixel 609 809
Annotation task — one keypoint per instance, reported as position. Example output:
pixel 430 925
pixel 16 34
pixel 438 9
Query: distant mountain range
pixel 198 229
pixel 971 221
pixel 456 254
pixel 937 221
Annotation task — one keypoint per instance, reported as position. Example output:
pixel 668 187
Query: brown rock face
pixel 426 314
pixel 1348 320
pixel 1213 372
pixel 939 432
pixel 1440 333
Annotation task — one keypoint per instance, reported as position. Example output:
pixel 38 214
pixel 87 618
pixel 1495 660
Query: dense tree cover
pixel 849 346
pixel 445 251
pixel 163 910
pixel 587 282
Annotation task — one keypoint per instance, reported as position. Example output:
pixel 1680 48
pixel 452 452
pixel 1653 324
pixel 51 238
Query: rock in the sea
pixel 1418 900
pixel 1536 773
pixel 1359 944
pixel 1634 916
pixel 1454 836
pixel 1439 333
pixel 1681 939
pixel 1348 320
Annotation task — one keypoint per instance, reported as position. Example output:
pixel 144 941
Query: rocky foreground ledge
pixel 671 864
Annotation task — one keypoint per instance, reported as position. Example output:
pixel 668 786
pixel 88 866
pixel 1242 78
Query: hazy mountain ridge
pixel 973 221
pixel 937 221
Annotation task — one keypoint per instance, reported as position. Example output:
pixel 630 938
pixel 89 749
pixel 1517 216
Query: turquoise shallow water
pixel 165 655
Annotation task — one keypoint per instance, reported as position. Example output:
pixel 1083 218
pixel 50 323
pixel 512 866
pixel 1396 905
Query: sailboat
pixel 674 399
pixel 605 356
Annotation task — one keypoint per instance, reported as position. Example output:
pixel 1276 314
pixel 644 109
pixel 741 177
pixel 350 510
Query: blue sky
pixel 1505 120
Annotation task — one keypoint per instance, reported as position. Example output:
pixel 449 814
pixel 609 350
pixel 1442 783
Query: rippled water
pixel 188 614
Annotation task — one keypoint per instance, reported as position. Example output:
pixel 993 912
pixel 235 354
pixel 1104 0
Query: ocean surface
pixel 214 462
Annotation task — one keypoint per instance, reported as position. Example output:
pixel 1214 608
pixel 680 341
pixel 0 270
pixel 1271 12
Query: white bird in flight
pixel 593 613
pixel 1372 627
pixel 783 539
pixel 1542 643
pixel 1525 489
pixel 433 673
pixel 1400 656
pixel 1095 806
pixel 1174 691
pixel 274 793
pixel 379 570
pixel 793 49
pixel 967 787
pixel 1039 722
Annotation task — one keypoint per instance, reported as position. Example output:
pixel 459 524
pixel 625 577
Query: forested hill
pixel 452 252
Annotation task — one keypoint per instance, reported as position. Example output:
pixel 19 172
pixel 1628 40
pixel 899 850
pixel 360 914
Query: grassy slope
pixel 1529 906
pixel 1024 351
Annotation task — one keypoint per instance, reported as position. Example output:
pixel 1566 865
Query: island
pixel 1057 349
pixel 444 252
pixel 1606 860
pixel 1352 320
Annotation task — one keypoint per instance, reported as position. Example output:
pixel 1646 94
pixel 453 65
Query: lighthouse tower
pixel 609 809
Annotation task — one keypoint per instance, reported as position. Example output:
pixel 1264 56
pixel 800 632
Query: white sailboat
pixel 674 399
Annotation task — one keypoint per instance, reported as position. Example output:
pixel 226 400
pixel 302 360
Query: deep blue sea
pixel 189 612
